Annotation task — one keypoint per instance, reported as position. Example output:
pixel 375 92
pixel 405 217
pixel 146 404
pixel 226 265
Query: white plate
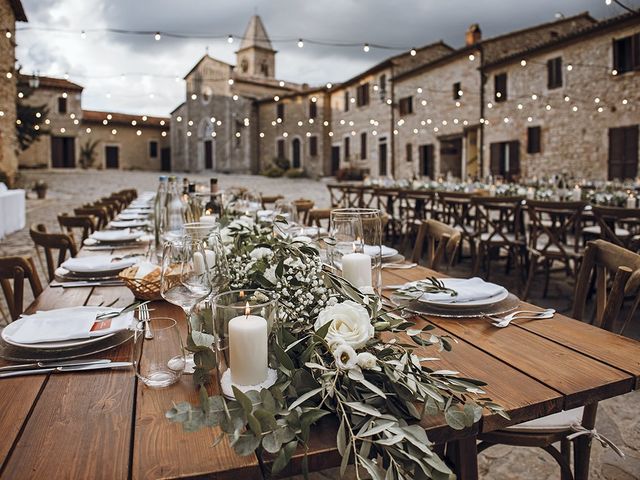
pixel 116 236
pixel 128 223
pixel 451 283
pixel 386 251
pixel 97 264
pixel 15 325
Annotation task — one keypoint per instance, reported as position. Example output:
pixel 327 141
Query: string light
pixel 230 39
pixel 8 34
pixel 472 57
pixel 88 130
pixel 413 52
pixel 157 36
pixel 366 48
pixel 300 43
pixel 230 81
pixel 569 67
pixel 138 132
pixel 523 63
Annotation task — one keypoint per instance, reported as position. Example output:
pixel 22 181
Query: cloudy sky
pixel 137 74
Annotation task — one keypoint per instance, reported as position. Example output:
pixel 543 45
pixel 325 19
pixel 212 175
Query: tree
pixel 29 117
pixel 88 153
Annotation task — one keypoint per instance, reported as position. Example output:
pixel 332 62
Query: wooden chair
pixel 457 211
pixel 554 237
pixel 617 225
pixel 303 206
pixel 100 214
pixel 316 215
pixel 61 242
pixel 442 243
pixel 337 195
pixel 118 203
pixel 16 269
pixel 108 206
pixel 130 193
pixel 611 264
pixel 84 222
pixel 270 200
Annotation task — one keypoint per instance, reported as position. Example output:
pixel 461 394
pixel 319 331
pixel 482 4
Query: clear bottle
pixel 175 211
pixel 159 208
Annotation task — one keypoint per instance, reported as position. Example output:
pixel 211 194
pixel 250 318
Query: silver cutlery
pixel 41 365
pixel 143 315
pixel 63 369
pixel 502 322
pixel 392 287
pixel 399 266
pixel 108 283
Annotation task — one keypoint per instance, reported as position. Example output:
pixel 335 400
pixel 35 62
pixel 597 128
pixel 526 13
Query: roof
pixel 589 30
pixel 18 11
pixel 178 108
pixel 302 93
pixel 92 116
pixel 52 82
pixel 202 59
pixel 391 61
pixel 255 36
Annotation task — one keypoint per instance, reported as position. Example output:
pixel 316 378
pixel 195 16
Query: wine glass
pixel 184 278
pixel 345 236
pixel 286 219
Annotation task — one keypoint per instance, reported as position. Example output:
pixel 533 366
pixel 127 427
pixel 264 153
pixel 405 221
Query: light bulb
pixel 569 67
pixel 300 43
pixel 523 63
pixel 230 39
pixel 472 57
pixel 366 47
pixel 157 36
pixel 413 52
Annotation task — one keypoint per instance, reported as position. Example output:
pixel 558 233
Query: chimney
pixel 473 35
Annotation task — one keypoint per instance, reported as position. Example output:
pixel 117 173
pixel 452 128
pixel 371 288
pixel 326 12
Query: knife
pixel 41 365
pixel 77 368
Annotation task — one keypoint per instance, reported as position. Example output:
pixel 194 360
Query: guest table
pixel 12 211
pixel 107 425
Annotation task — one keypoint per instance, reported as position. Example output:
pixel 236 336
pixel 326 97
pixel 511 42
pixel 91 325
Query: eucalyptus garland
pixel 340 353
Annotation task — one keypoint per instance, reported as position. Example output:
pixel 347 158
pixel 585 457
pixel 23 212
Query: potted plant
pixel 40 188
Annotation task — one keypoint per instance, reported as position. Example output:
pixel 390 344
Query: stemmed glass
pixel 185 279
pixel 286 219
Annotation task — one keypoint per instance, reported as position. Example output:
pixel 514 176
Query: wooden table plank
pixel 162 449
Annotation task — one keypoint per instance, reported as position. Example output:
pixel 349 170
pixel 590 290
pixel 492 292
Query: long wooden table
pixel 105 424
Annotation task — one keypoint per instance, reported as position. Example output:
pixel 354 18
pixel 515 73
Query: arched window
pixel 264 69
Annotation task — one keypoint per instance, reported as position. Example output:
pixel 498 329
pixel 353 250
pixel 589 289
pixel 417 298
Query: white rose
pixel 367 360
pixel 270 274
pixel 345 356
pixel 226 236
pixel 349 322
pixel 260 252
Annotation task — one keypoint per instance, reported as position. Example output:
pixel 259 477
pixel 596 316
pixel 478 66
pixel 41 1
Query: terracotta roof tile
pixel 92 116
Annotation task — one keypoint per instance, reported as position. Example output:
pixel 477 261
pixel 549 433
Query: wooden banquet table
pixel 105 424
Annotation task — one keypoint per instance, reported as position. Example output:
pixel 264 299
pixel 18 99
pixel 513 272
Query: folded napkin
pixel 132 216
pixel 145 268
pixel 116 235
pixel 97 263
pixel 66 324
pixel 373 250
pixel 127 223
pixel 469 290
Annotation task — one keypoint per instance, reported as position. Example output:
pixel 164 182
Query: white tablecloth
pixel 12 211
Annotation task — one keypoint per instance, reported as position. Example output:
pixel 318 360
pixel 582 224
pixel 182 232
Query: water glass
pixel 161 361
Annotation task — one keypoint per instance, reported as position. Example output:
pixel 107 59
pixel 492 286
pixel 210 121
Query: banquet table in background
pixel 107 425
pixel 12 211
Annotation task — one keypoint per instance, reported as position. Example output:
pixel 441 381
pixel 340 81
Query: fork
pixel 399 266
pixel 502 322
pixel 145 317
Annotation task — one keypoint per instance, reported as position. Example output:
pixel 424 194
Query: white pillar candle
pixel 631 201
pixel 356 268
pixel 208 219
pixel 531 193
pixel 248 359
pixel 577 193
pixel 198 263
pixel 492 191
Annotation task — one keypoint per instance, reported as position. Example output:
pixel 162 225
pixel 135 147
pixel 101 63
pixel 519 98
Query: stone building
pixel 72 137
pixel 11 11
pixel 570 103
pixel 220 112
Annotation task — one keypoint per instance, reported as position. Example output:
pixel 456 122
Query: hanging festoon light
pixel 523 63
pixel 83 34
pixel 157 36
pixel 300 43
pixel 230 39
pixel 366 48
pixel 8 33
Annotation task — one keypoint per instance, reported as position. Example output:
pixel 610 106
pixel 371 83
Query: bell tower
pixel 256 57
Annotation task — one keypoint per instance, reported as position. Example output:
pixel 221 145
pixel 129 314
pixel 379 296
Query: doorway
pixel 451 157
pixel 208 154
pixel 63 152
pixel 112 157
pixel 623 152
pixel 335 159
pixel 165 159
pixel 295 153
pixel 505 159
pixel 382 157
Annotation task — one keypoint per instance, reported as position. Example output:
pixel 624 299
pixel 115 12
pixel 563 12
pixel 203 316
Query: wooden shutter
pixel 496 162
pixel 514 159
pixel 554 72
pixel 313 109
pixel 635 52
pixel 280 148
pixel 533 140
pixel 313 146
pixel 363 146
pixel 409 152
pixel 426 160
pixel 500 86
pixel 347 148
pixel 631 152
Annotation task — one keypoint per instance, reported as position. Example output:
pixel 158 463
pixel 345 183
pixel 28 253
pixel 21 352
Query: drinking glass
pixel 162 360
pixel 286 219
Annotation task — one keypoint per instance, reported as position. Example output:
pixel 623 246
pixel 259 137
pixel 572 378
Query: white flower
pixel 346 357
pixel 367 360
pixel 261 252
pixel 349 322
pixel 335 343
pixel 270 274
pixel 226 236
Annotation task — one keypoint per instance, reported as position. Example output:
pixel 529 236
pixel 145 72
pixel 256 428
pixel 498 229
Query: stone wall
pixel 576 141
pixel 8 143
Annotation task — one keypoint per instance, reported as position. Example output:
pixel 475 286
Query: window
pixel 554 73
pixel 313 146
pixel 280 148
pixel 280 111
pixel 363 146
pixel 346 101
pixel 533 140
pixel 153 149
pixel 406 105
pixel 426 160
pixel 623 152
pixel 347 148
pixel 500 87
pixel 382 81
pixel 238 133
pixel 264 69
pixel 62 105
pixel 408 152
pixel 313 109
pixel 457 88
pixel 505 159
pixel 626 53
pixel 362 95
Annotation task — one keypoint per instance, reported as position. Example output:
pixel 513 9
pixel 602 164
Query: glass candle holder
pixel 244 327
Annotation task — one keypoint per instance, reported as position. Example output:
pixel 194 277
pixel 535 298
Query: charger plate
pixel 499 308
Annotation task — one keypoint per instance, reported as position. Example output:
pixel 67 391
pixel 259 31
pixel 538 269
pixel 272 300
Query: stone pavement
pixel 618 418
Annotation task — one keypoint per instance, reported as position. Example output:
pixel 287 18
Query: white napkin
pixel 373 250
pixel 469 290
pixel 66 324
pixel 132 216
pixel 145 268
pixel 97 263
pixel 116 235
pixel 127 223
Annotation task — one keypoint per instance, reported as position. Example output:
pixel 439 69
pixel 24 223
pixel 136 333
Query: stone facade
pixel 575 118
pixel 67 129
pixel 10 12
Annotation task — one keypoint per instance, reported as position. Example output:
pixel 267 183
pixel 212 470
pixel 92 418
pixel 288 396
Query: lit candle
pixel 356 268
pixel 492 191
pixel 531 193
pixel 248 358
pixel 208 219
pixel 631 201
pixel 577 193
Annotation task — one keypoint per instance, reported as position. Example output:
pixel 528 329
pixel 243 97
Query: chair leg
pixel 565 468
pixel 477 264
pixel 581 454
pixel 533 265
pixel 547 275
pixel 565 451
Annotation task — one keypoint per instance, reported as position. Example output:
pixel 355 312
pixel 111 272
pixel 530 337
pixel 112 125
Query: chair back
pixel 618 225
pixel 16 270
pixel 498 219
pixel 110 208
pixel 612 265
pixel 303 206
pixel 316 215
pixel 442 243
pixel 84 222
pixel 337 195
pixel 457 211
pixel 270 199
pixel 50 242
pixel 117 202
pixel 555 227
pixel 100 214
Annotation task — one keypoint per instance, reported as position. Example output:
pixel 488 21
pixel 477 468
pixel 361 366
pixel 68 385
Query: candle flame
pixel 247 309
pixel 241 294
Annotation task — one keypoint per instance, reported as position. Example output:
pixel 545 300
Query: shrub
pixel 295 173
pixel 282 163
pixel 273 171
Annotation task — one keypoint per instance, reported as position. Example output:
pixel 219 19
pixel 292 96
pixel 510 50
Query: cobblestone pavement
pixel 618 418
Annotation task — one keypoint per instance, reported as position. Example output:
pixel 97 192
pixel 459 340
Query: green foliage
pixel 295 173
pixel 26 131
pixel 282 163
pixel 273 172
pixel 88 153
